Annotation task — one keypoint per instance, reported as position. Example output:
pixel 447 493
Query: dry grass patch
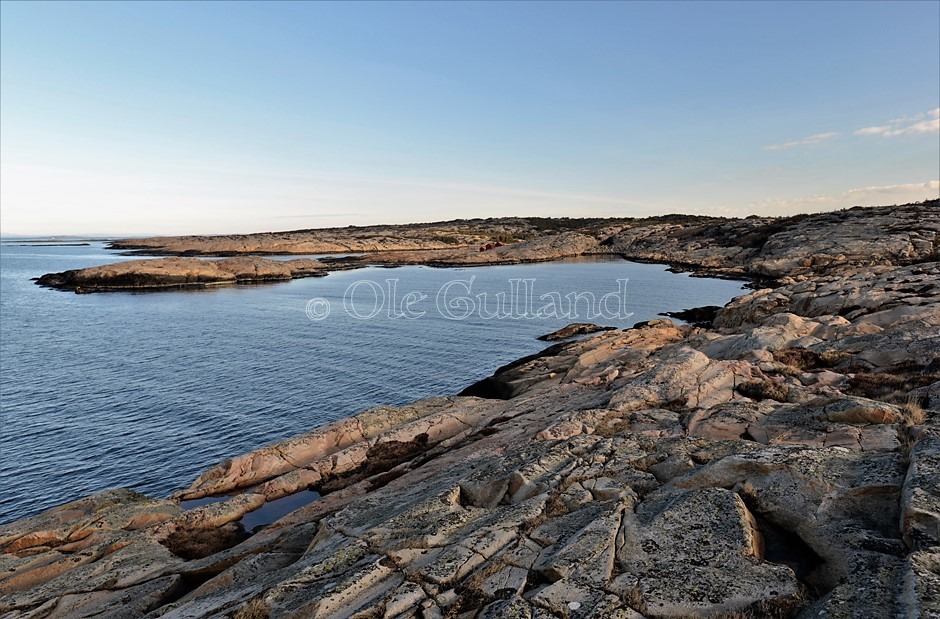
pixel 192 544
pixel 763 390
pixel 907 444
pixel 527 526
pixel 255 609
pixel 489 569
pixel 894 384
pixel 634 599
pixel 806 359
pixel 765 609
pixel 555 507
pixel 913 413
pixel 380 461
pixel 612 426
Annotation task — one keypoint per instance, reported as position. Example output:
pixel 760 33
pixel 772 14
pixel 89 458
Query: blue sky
pixel 140 118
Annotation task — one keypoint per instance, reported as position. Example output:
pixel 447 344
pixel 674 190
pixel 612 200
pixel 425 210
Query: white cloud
pixel 909 125
pixel 874 130
pixel 813 139
pixel 863 196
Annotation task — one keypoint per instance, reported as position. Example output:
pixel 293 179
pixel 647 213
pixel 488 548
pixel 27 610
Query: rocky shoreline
pixel 784 461
pixel 767 251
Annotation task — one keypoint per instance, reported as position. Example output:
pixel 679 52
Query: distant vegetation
pixel 728 233
pixel 563 224
pixel 894 384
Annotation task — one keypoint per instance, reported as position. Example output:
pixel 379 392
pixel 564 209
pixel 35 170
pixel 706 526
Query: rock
pixel 875 596
pixel 786 247
pixel 921 584
pixel 697 316
pixel 542 249
pixel 687 553
pixel 111 510
pixel 849 409
pixel 886 235
pixel 573 330
pixel 852 295
pixel 841 504
pixel 88 557
pixel 920 497
pixel 180 272
pixel 462 235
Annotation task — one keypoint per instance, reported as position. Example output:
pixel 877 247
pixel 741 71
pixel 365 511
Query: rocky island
pixel 782 462
pixel 166 273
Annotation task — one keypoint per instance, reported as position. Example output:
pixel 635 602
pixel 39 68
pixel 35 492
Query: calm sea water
pixel 146 390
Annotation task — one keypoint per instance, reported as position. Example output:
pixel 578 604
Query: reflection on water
pixel 276 509
pixel 270 512
pixel 194 503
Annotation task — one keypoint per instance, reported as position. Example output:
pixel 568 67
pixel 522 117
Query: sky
pixel 175 118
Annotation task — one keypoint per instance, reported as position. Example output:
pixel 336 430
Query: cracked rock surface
pixel 782 463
